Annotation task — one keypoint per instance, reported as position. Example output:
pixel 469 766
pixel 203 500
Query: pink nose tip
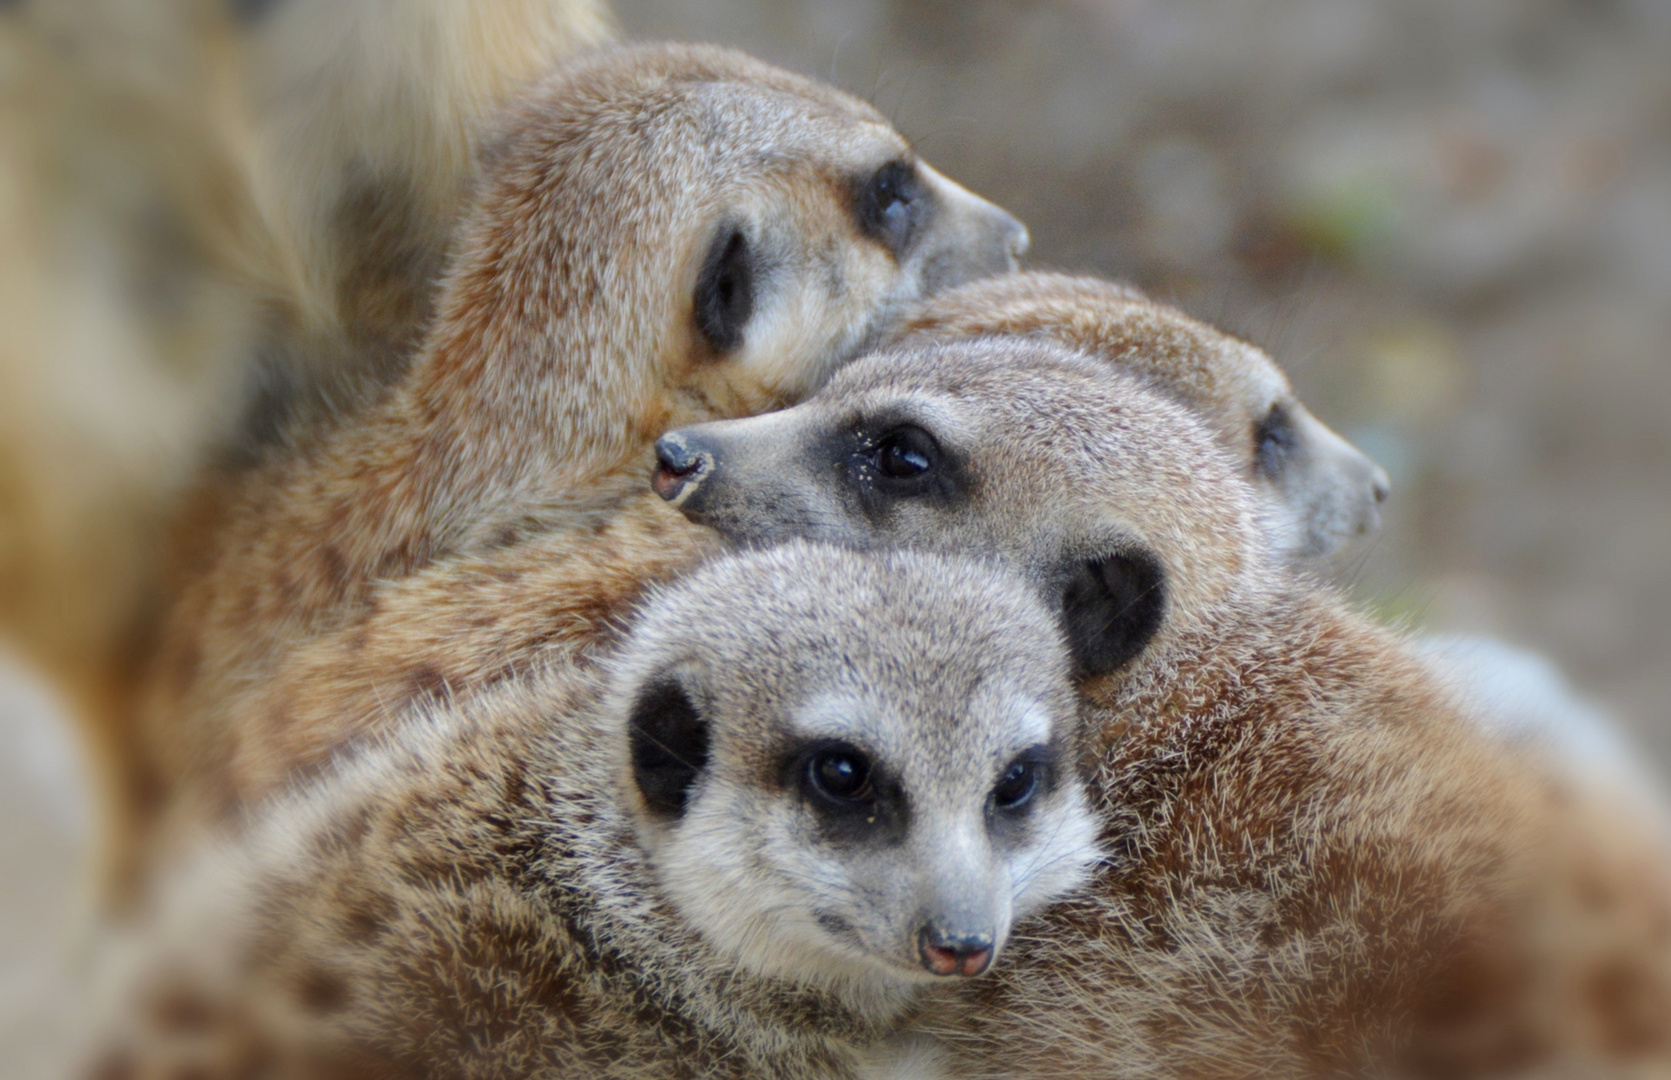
pixel 951 955
pixel 950 962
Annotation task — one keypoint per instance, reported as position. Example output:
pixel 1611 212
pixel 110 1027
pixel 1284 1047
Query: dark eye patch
pixel 905 457
pixel 724 298
pixel 1028 777
pixel 1022 781
pixel 890 205
pixel 669 744
pixel 1274 439
pixel 854 798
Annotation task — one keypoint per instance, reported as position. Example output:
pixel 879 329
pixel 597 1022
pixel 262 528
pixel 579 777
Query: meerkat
pixel 810 786
pixel 1317 865
pixel 1317 490
pixel 1320 490
pixel 662 232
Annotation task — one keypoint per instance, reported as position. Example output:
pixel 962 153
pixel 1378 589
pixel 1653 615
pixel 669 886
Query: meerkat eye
pixel 890 203
pixel 1273 439
pixel 840 774
pixel 905 454
pixel 1019 783
pixel 724 297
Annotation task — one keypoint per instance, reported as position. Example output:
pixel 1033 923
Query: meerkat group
pixel 1312 860
pixel 741 625
pixel 746 843
pixel 661 233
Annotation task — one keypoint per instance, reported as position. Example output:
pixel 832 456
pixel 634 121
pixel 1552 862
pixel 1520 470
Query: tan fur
pixel 489 894
pixel 565 342
pixel 1319 865
pixel 456 628
pixel 122 322
pixel 1320 491
pixel 367 122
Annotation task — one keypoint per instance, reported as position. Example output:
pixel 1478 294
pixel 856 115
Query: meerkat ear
pixel 1112 607
pixel 669 742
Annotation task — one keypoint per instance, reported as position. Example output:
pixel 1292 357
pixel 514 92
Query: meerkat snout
pixel 984 241
pixel 851 767
pixel 681 466
pixel 1328 490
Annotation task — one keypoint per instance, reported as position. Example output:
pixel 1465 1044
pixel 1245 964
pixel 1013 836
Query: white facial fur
pixel 942 674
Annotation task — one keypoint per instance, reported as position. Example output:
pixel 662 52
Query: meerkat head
pixel 851 768
pixel 674 232
pixel 1111 496
pixel 1318 489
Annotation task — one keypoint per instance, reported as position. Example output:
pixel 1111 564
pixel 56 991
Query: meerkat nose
pixel 952 954
pixel 1380 486
pixel 680 467
pixel 1020 241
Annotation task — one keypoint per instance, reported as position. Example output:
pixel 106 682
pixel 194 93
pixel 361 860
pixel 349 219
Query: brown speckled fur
pixel 215 219
pixel 1320 868
pixel 460 626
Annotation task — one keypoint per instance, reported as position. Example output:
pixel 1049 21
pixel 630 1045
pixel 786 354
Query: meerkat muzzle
pixel 680 468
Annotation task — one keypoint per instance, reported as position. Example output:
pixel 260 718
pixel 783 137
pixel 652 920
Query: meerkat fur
pixel 743 844
pixel 1317 863
pixel 662 233
pixel 1320 491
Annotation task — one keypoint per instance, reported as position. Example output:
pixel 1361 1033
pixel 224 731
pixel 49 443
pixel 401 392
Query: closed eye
pixel 1274 439
pixel 723 300
pixel 890 205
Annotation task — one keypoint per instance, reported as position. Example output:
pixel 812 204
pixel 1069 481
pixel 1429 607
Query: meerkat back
pixel 811 785
pixel 219 216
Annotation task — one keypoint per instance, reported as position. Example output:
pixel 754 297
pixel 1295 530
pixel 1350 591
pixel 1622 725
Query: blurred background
pixel 1450 220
